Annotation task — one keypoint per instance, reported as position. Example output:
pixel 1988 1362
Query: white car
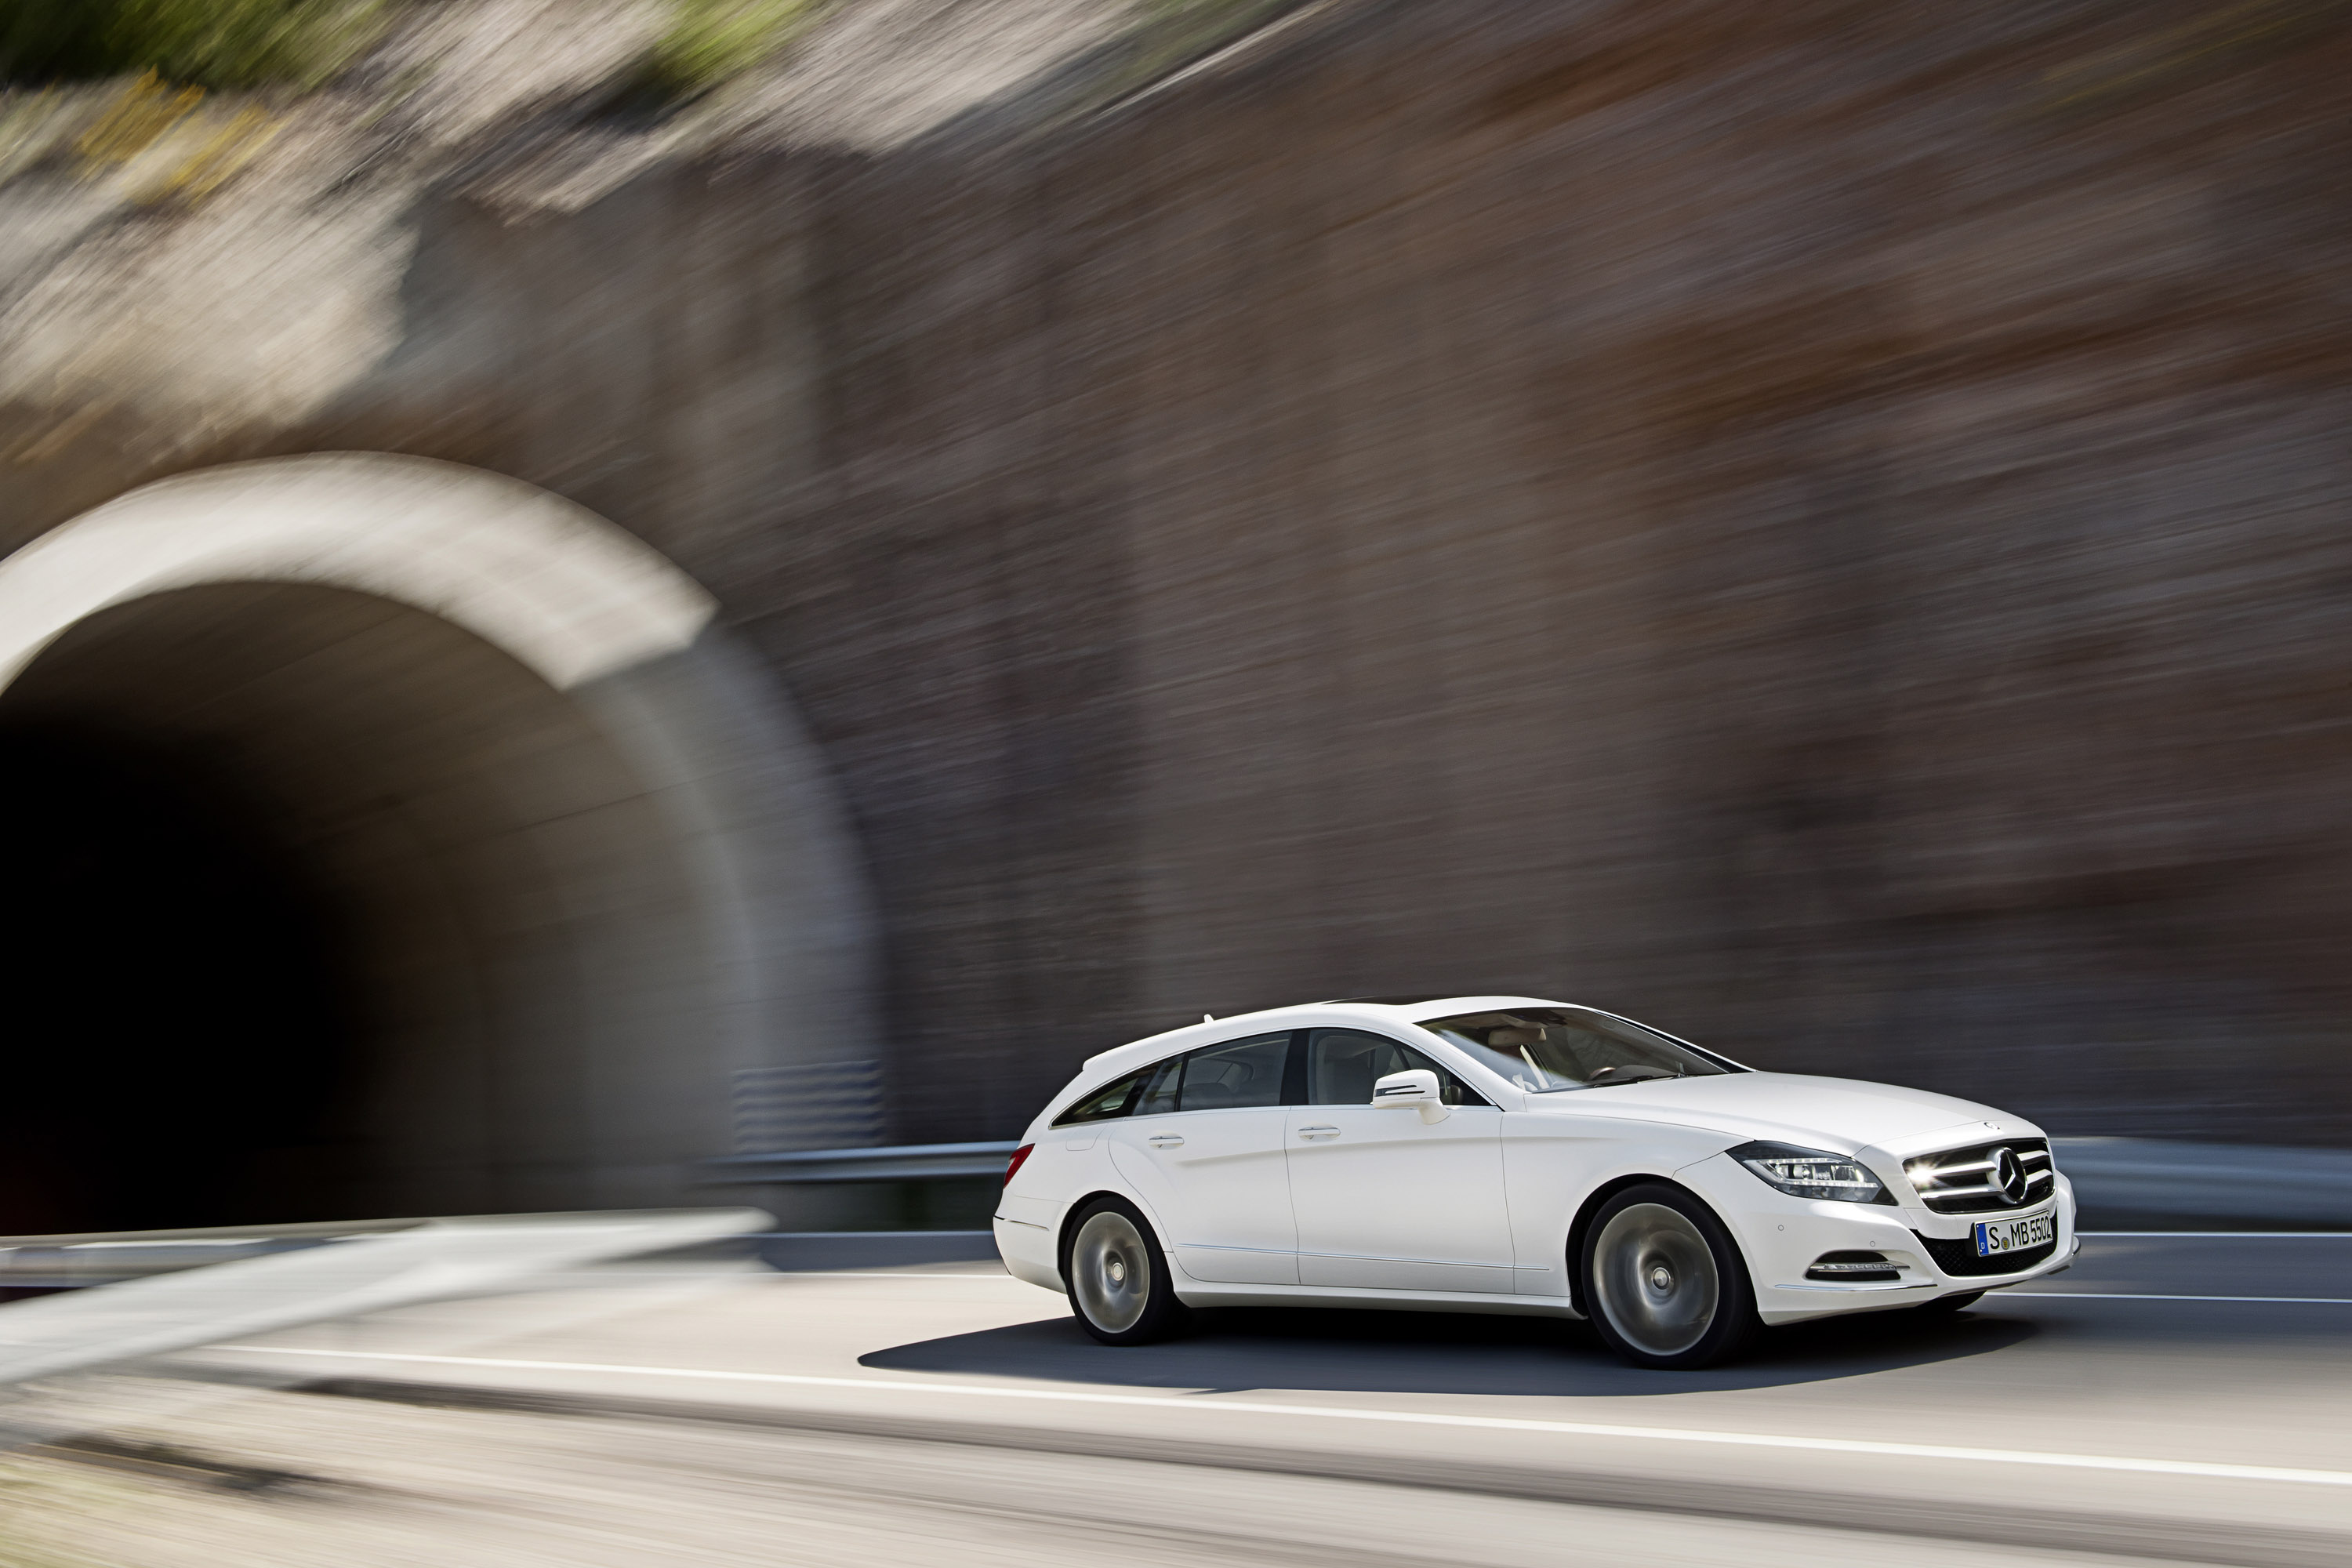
pixel 1512 1155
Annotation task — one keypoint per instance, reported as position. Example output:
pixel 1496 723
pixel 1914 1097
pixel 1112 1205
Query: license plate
pixel 1998 1235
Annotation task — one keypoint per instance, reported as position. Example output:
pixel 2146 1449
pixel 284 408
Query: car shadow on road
pixel 1355 1352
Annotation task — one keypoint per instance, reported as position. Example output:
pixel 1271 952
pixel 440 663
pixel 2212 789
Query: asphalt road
pixel 2172 1399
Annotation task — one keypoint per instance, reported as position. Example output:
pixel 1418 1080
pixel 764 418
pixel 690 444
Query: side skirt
pixel 1198 1293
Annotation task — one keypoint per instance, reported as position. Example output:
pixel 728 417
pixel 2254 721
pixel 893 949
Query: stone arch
pixel 587 865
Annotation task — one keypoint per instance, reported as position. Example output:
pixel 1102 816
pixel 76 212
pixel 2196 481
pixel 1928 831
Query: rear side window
pixel 1146 1093
pixel 1241 1074
pixel 1235 1076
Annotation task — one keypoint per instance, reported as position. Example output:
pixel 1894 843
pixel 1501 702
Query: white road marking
pixel 1995 1295
pixel 898 1236
pixel 1344 1413
pixel 884 1273
pixel 2080 1295
pixel 2127 1296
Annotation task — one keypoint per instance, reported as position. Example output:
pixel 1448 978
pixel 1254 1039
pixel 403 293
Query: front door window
pixel 1342 1065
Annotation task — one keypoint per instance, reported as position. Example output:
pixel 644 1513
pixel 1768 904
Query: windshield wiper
pixel 1640 1074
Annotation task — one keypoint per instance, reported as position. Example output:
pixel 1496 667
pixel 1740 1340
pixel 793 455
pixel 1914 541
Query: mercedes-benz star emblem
pixel 2008 1174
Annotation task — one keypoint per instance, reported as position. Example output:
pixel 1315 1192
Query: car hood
pixel 1840 1115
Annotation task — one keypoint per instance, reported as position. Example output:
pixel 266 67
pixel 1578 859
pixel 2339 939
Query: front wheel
pixel 1119 1286
pixel 1663 1283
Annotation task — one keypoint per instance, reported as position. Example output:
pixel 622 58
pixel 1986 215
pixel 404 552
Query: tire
pixel 1942 1305
pixel 1662 1281
pixel 1120 1289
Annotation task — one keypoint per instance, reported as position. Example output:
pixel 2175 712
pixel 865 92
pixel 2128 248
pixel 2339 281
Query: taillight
pixel 1014 1164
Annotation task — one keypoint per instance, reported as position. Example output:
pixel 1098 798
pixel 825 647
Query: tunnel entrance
pixel 396 838
pixel 179 1029
pixel 325 907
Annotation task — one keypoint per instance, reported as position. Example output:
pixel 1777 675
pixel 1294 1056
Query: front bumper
pixel 1782 1236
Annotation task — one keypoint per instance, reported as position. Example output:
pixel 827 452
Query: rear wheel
pixel 1663 1283
pixel 1119 1286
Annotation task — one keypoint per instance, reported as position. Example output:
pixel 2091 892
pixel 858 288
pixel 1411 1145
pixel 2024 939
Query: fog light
pixel 1852 1268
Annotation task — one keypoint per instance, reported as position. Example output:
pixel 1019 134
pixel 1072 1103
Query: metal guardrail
pixel 898 1162
pixel 2254 1184
pixel 2139 1177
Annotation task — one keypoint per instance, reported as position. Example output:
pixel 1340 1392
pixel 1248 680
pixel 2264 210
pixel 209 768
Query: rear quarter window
pixel 1103 1104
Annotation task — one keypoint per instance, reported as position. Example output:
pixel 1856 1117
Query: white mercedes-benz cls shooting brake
pixel 1510 1154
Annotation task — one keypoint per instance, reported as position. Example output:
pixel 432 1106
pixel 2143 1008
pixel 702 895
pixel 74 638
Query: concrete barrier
pixel 824 1251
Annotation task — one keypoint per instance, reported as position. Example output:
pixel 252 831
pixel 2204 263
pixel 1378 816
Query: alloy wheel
pixel 1654 1276
pixel 1111 1271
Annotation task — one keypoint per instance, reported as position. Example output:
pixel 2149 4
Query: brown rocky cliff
pixel 1823 526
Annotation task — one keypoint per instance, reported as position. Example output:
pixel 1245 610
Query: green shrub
pixel 249 42
pixel 707 41
pixel 197 43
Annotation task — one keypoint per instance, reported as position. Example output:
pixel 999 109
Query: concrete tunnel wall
pixel 573 865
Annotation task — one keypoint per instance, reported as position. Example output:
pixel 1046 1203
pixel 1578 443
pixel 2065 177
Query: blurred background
pixel 1818 526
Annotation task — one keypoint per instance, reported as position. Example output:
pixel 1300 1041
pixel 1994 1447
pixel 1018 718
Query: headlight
pixel 1810 1174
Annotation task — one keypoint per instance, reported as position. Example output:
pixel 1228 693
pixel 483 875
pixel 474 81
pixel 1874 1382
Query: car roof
pixel 1302 1016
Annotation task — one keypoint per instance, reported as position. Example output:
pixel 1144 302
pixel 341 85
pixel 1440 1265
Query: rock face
pixel 1822 527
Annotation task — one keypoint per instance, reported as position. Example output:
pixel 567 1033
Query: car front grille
pixel 1963 1181
pixel 1959 1256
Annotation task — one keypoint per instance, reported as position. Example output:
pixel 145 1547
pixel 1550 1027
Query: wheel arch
pixel 1068 1228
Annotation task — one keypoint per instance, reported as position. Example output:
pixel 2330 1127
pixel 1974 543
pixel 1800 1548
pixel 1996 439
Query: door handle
pixel 1165 1141
pixel 1318 1131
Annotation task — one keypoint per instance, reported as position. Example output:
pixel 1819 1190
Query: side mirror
pixel 1416 1088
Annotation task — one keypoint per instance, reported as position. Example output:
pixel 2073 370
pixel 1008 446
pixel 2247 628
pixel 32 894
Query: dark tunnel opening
pixel 326 907
pixel 180 1022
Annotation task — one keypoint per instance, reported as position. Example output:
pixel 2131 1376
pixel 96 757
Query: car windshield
pixel 1546 1049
